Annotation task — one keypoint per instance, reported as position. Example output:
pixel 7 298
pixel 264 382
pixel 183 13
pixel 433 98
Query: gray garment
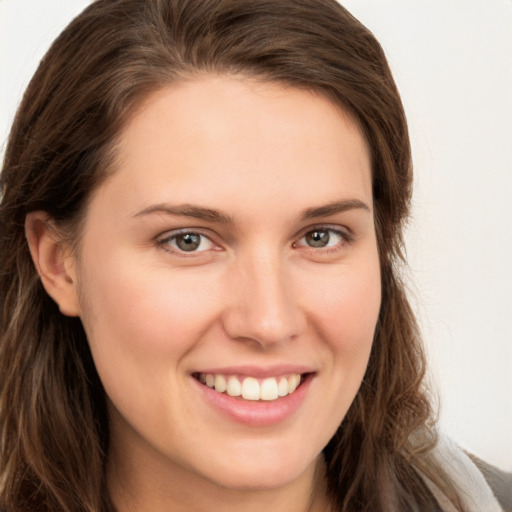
pixel 481 488
pixel 499 481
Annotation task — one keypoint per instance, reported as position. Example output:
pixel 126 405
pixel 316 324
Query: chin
pixel 260 474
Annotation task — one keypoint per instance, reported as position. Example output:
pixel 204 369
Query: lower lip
pixel 257 413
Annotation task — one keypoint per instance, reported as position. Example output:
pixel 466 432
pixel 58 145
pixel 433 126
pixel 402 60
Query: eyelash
pixel 166 242
pixel 345 238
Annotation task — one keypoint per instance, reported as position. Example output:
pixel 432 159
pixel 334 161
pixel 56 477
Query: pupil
pixel 317 238
pixel 188 241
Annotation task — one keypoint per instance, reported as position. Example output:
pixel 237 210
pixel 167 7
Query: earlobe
pixel 54 262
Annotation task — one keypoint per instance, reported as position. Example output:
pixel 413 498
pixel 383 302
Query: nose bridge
pixel 263 306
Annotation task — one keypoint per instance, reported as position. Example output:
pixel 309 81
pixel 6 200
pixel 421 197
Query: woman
pixel 201 238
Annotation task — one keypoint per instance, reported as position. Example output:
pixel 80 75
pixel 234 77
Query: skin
pixel 254 292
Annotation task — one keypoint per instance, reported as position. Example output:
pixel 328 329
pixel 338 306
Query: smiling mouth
pixel 252 388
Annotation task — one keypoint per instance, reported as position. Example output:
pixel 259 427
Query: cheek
pixel 346 307
pixel 141 326
pixel 142 320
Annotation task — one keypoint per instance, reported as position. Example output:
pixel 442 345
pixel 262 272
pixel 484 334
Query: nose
pixel 263 305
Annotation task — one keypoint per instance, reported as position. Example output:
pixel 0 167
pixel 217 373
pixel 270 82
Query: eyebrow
pixel 187 210
pixel 211 215
pixel 334 208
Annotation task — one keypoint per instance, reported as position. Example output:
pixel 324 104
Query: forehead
pixel 219 136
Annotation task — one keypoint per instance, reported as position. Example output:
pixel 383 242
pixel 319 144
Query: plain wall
pixel 453 64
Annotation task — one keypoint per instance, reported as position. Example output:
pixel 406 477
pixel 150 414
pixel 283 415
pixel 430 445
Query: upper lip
pixel 258 371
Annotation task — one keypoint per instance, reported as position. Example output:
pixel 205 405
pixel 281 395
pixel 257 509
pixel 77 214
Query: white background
pixel 453 63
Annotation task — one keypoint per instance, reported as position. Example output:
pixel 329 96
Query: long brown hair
pixel 53 417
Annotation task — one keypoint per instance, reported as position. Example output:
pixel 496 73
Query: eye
pixel 187 241
pixel 322 238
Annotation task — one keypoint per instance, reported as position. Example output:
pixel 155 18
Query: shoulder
pixel 481 486
pixel 499 481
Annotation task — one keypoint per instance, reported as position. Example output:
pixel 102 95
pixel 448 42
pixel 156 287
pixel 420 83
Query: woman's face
pixel 234 246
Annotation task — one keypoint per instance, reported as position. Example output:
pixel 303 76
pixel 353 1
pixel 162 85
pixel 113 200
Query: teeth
pixel 250 388
pixel 234 387
pixel 283 388
pixel 210 380
pixel 268 389
pixel 293 382
pixel 220 383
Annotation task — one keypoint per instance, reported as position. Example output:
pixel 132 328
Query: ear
pixel 54 262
